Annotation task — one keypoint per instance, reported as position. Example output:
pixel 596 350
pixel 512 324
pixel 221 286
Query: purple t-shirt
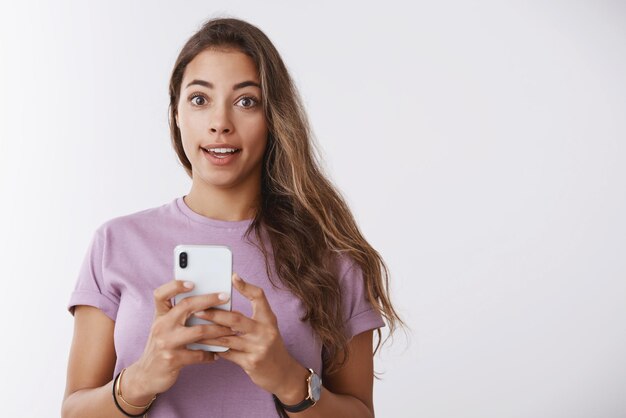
pixel 130 256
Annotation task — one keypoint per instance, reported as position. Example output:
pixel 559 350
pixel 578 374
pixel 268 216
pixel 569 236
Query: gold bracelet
pixel 119 393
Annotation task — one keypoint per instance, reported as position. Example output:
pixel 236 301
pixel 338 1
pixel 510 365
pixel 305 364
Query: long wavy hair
pixel 306 219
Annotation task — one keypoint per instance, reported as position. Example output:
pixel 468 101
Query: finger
pixel 188 357
pixel 261 310
pixel 232 342
pixel 188 306
pixel 195 333
pixel 237 357
pixel 234 320
pixel 164 293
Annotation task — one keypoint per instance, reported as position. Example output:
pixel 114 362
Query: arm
pixel 260 351
pixel 92 359
pixel 346 393
pixel 88 389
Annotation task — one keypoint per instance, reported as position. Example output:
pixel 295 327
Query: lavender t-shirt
pixel 130 256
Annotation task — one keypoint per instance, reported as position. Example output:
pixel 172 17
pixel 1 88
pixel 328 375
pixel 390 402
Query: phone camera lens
pixel 182 259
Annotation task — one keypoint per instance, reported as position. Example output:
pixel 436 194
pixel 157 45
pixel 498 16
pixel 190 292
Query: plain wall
pixel 481 146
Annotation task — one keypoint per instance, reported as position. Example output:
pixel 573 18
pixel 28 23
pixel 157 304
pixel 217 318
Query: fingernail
pixel 237 278
pixel 222 296
pixel 188 285
pixel 199 313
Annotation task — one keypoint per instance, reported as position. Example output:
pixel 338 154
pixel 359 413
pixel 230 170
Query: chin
pixel 226 179
pixel 224 182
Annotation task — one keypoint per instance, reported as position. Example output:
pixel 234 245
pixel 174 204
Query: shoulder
pixel 132 222
pixel 358 311
pixel 344 263
pixel 347 270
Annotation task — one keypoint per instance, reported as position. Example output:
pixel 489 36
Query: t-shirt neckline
pixel 218 223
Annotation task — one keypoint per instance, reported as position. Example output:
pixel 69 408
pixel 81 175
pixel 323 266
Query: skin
pixel 228 193
pixel 221 115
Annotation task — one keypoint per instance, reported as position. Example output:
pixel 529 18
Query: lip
pixel 223 160
pixel 220 145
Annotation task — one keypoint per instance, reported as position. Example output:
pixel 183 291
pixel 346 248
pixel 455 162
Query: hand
pixel 165 353
pixel 258 347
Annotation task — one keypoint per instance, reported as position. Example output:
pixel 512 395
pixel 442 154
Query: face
pixel 221 119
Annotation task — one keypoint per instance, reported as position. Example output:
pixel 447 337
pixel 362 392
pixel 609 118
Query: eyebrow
pixel 237 86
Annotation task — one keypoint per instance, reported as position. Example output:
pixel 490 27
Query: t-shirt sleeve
pixel 358 312
pixel 91 285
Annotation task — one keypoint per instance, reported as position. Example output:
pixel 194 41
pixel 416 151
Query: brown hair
pixel 307 221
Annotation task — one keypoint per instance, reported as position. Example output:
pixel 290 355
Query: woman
pixel 309 288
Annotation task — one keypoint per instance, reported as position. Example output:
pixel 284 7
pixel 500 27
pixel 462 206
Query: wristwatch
pixel 314 384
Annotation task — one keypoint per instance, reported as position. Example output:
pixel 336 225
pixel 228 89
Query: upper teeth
pixel 222 150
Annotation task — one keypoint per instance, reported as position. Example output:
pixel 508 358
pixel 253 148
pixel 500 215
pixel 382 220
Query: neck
pixel 236 204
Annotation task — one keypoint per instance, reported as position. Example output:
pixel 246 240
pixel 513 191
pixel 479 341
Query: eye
pixel 196 95
pixel 249 99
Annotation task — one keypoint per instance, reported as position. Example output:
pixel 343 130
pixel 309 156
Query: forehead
pixel 221 66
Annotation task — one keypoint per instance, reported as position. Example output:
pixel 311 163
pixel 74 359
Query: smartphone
pixel 210 268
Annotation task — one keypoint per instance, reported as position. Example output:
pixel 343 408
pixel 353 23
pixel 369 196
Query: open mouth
pixel 221 152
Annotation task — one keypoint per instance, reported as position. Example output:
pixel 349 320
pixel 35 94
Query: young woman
pixel 309 289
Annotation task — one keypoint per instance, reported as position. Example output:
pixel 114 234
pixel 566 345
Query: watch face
pixel 316 387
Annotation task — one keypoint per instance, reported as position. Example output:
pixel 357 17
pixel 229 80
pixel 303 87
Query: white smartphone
pixel 210 268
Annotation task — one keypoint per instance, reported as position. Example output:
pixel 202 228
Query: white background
pixel 481 146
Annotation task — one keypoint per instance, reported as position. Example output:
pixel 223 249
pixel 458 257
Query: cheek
pixel 188 129
pixel 260 144
pixel 188 145
pixel 256 137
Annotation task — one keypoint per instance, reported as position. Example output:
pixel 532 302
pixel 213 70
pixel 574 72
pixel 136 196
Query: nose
pixel 219 129
pixel 220 121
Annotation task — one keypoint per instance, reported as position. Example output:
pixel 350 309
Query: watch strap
pixel 301 406
pixel 297 407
